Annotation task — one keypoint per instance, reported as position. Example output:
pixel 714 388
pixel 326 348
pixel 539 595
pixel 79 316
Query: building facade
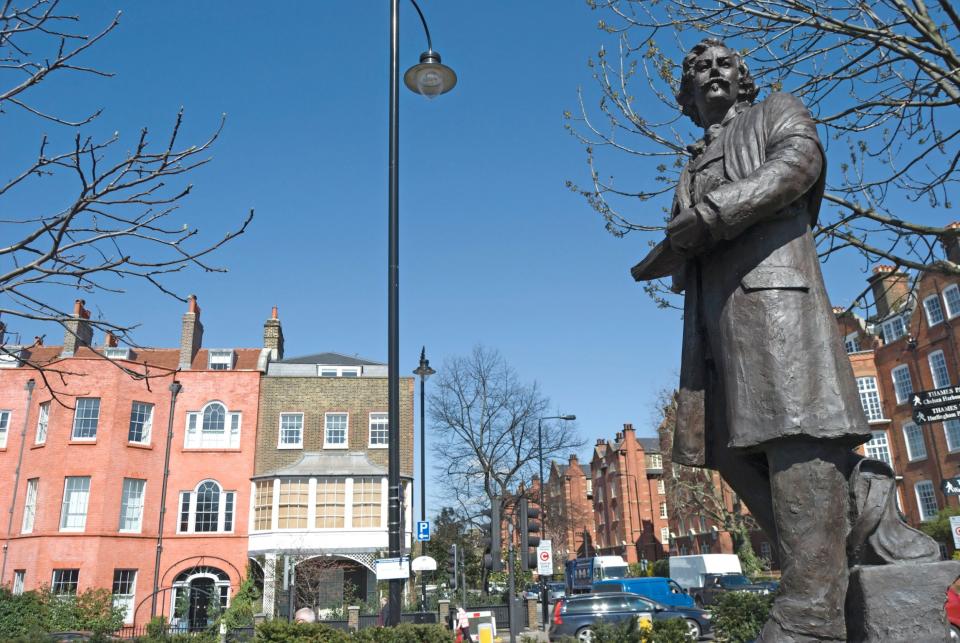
pixel 629 498
pixel 319 493
pixel 84 446
pixel 568 496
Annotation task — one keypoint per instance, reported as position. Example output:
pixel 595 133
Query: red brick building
pixel 82 450
pixel 629 497
pixel 569 501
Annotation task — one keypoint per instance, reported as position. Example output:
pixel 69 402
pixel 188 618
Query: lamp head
pixel 430 78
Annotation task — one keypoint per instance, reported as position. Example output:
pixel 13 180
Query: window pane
pixel 228 511
pixel 85 418
pixel 366 502
pixel 851 343
pixel 291 429
pixel 933 309
pixel 30 506
pixel 213 418
pixel 913 436
pixel 902 383
pixel 43 418
pixel 870 398
pixel 331 503
pixel 938 370
pixel 292 511
pixel 951 429
pixel 208 507
pixel 379 429
pixel 263 506
pixel 19 578
pixel 76 493
pixel 124 584
pixel 141 420
pixel 951 295
pixel 878 448
pixel 131 504
pixel 185 511
pixel 926 500
pixel 335 429
pixel 64 582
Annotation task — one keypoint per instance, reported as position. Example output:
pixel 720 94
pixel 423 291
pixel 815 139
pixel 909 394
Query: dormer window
pixel 10 356
pixel 114 352
pixel 893 329
pixel 220 360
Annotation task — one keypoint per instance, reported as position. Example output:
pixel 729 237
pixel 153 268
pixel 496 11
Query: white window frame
pixel 30 506
pixel 77 418
pixel 78 509
pixel 892 327
pixel 126 600
pixel 133 493
pixel 664 535
pixel 914 455
pixel 952 428
pixel 661 487
pixel 903 396
pixel 217 357
pixel 952 292
pixel 656 461
pixel 383 419
pixel 43 423
pixel 19 581
pixel 146 425
pixel 75 580
pixel 939 373
pixel 225 497
pixel 870 398
pixel 327 444
pixel 195 436
pixel 851 343
pixel 933 309
pixel 281 444
pixel 338 371
pixel 878 448
pixel 664 511
pixel 921 506
pixel 117 352
pixel 4 427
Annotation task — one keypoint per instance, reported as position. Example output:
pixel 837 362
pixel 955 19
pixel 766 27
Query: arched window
pixel 208 508
pixel 213 427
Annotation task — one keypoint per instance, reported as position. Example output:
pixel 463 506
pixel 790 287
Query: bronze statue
pixel 767 394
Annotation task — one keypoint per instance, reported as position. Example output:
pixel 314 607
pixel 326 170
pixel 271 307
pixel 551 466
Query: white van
pixel 690 571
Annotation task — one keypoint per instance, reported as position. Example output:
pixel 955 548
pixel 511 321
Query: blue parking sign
pixel 423 530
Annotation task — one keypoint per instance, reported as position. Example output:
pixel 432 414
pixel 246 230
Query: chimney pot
pixel 273 335
pixel 38 340
pixel 951 243
pixel 891 289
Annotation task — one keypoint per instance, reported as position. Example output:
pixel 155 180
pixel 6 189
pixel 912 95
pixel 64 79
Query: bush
pixel 739 616
pixel 30 613
pixel 673 630
pixel 662 568
pixel 277 631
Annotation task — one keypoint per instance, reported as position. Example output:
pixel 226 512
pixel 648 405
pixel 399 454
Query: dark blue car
pixel 576 615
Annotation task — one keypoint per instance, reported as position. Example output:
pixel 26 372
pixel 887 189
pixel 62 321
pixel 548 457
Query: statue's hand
pixel 687 232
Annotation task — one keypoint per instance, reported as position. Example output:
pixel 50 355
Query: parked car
pixel 657 588
pixel 577 615
pixel 556 591
pixel 953 614
pixel 531 591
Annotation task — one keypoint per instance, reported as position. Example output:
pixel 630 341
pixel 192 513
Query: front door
pixel 202 591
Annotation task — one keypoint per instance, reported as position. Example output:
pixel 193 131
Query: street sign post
pixel 392 568
pixel 937 405
pixel 955 530
pixel 423 530
pixel 545 558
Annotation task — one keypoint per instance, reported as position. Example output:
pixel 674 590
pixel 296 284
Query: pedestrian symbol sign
pixel 423 530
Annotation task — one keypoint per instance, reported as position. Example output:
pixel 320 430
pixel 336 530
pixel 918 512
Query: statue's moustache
pixel 719 80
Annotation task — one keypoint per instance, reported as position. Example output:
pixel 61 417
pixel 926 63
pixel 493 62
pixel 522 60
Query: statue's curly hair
pixel 748 88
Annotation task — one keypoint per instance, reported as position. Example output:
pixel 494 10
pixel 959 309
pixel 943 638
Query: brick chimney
pixel 110 340
pixel 191 333
pixel 78 331
pixel 951 243
pixel 273 336
pixel 890 289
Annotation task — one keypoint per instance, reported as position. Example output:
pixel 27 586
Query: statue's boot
pixel 878 536
pixel 809 489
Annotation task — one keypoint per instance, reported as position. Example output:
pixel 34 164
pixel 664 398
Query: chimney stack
pixel 191 333
pixel 890 289
pixel 78 331
pixel 110 340
pixel 273 336
pixel 951 242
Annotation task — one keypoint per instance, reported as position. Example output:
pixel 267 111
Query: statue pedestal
pixel 889 603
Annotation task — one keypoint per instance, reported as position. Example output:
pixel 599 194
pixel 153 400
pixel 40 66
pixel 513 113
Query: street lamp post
pixel 424 371
pixel 543 509
pixel 430 78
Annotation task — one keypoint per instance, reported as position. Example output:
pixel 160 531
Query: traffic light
pixel 491 559
pixel 529 534
pixel 452 566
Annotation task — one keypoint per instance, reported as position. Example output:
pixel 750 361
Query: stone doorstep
pixel 899 603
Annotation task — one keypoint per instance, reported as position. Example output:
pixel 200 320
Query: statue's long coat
pixel 761 349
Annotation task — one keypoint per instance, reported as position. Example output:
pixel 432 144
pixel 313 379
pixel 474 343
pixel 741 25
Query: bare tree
pixel 882 78
pixel 111 228
pixel 486 421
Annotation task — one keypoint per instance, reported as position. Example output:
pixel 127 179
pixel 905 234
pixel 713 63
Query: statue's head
pixel 714 78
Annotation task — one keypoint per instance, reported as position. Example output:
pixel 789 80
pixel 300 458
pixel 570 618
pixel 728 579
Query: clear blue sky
pixel 494 249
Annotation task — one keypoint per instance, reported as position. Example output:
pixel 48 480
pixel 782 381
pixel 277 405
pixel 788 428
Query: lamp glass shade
pixel 430 78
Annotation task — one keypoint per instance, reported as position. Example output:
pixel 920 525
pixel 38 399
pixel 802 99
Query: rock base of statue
pixel 888 603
